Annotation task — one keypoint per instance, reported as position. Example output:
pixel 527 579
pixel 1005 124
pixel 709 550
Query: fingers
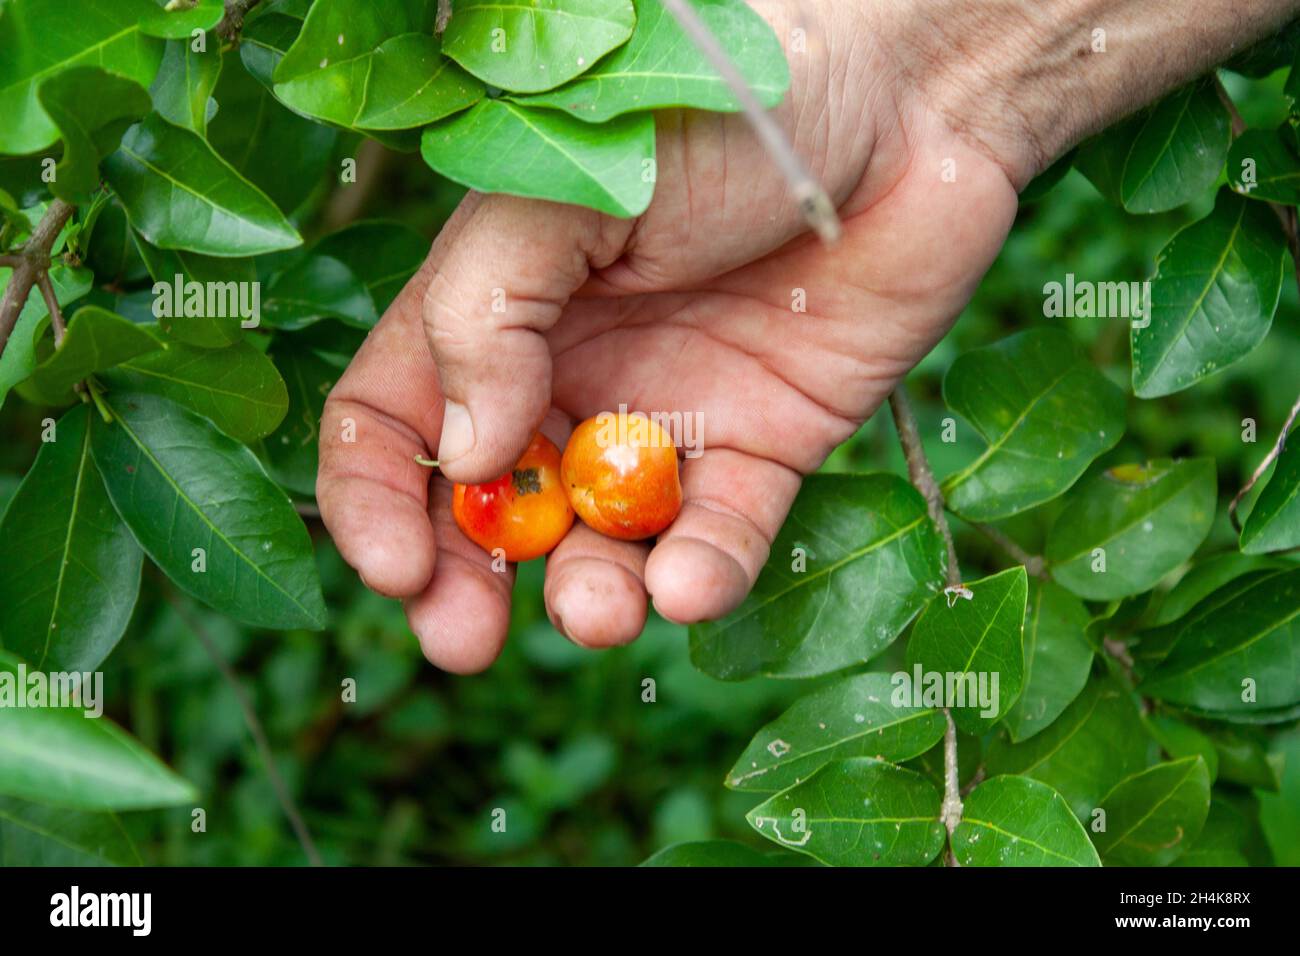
pixel 462 616
pixel 595 591
pixel 502 282
pixel 383 411
pixel 710 556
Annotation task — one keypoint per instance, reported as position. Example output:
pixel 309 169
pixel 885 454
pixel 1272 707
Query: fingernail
pixel 457 432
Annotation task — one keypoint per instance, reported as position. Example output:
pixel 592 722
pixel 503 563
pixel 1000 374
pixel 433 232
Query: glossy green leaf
pixel 1279 814
pixel 861 716
pixel 181 485
pixel 1204 578
pixel 36 835
pixel 856 560
pixel 92 109
pixel 1097 742
pixel 1274 521
pixel 41 39
pixel 527 47
pixel 179 194
pixel 1216 288
pixel 858 812
pixel 1154 644
pixel 198 325
pixel 977 633
pixel 1127 528
pixel 70 597
pixel 59 756
pixel 1178 740
pixel 1243 757
pixel 183 19
pixel 1230 833
pixel 19 356
pixel 292 450
pixel 1244 647
pixel 182 90
pixel 264 42
pixel 660 68
pixel 416 86
pixel 1057 658
pixel 708 853
pixel 314 288
pixel 503 147
pixel 1153 816
pixel 1046 413
pixel 96 339
pixel 1263 166
pixel 1016 821
pixel 383 254
pixel 1166 155
pixel 237 389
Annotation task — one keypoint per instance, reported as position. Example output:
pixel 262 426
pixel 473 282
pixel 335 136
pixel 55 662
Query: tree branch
pixel 922 476
pixel 255 728
pixel 1278 447
pixel 29 264
pixel 1035 564
pixel 233 22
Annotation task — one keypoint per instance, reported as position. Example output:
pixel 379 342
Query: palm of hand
pixel 710 305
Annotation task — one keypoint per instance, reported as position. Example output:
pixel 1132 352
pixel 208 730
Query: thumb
pixel 509 268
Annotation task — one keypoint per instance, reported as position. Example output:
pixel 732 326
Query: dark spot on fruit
pixel 526 481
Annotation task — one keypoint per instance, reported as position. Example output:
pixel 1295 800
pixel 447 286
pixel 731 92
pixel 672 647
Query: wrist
pixel 1026 80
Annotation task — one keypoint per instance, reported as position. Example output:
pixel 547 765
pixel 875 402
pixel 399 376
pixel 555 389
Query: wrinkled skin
pixel 687 308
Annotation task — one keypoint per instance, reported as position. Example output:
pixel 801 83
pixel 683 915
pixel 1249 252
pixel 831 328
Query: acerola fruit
pixel 524 513
pixel 620 472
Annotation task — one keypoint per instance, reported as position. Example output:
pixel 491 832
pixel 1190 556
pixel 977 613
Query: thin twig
pixel 28 265
pixel 51 305
pixel 1035 564
pixel 816 204
pixel 443 17
pixel 922 476
pixel 306 509
pixel 1286 215
pixel 255 728
pixel 1278 447
pixel 233 21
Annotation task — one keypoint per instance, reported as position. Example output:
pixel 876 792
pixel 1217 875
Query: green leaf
pixel 502 147
pixel 1057 658
pixel 179 194
pixel 35 835
pixel 181 23
pixel 383 254
pixel 292 450
pixel 19 356
pixel 41 39
pixel 1279 814
pixel 1274 521
pixel 1263 166
pixel 856 560
pixel 237 389
pixel 264 42
pixel 710 853
pixel 279 152
pixel 96 339
pixel 1243 757
pixel 1048 179
pixel 182 91
pixel 416 86
pixel 1127 528
pixel 1246 642
pixel 1230 832
pixel 70 596
pixel 59 756
pixel 853 717
pixel 1154 645
pixel 1166 155
pixel 198 325
pixel 1153 816
pixel 1015 821
pixel 1204 578
pixel 660 68
pixel 181 485
pixel 977 634
pixel 1046 413
pixel 1216 288
pixel 856 813
pixel 1097 742
pixel 92 109
pixel 527 47
pixel 318 287
pixel 1182 740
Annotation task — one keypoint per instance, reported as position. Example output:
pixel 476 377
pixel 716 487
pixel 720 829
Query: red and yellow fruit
pixel 524 513
pixel 620 472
